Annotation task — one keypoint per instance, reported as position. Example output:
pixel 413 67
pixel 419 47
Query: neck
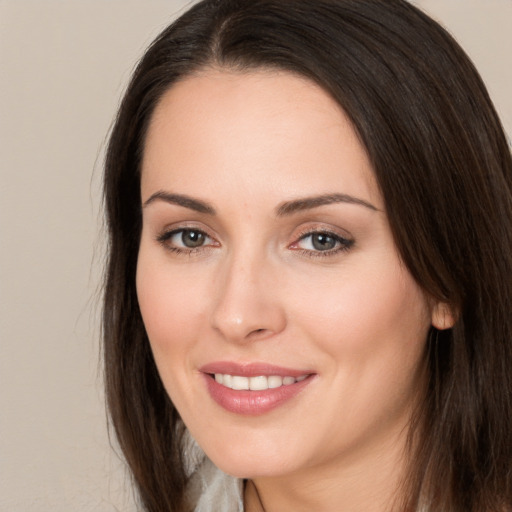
pixel 252 498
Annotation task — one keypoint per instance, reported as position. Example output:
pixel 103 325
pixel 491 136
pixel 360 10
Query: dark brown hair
pixel 445 171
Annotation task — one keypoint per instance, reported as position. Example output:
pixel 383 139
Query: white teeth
pixel 240 382
pixel 275 381
pixel 259 383
pixel 227 380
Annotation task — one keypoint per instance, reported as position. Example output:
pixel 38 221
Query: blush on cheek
pixel 368 314
pixel 154 307
pixel 171 307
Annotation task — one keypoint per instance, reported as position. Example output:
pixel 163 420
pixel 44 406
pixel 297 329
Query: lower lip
pixel 253 403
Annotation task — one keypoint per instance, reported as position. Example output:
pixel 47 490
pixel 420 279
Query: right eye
pixel 185 239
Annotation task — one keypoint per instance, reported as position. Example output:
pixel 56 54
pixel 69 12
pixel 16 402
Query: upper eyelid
pixel 324 232
pixel 170 232
pixel 182 226
pixel 330 230
pixel 174 231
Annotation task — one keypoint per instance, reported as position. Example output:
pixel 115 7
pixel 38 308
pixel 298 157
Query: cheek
pixel 173 315
pixel 366 311
pixel 171 303
pixel 370 336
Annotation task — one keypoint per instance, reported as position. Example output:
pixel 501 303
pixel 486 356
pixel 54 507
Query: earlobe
pixel 443 316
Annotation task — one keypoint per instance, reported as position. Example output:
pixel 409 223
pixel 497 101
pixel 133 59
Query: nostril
pixel 257 333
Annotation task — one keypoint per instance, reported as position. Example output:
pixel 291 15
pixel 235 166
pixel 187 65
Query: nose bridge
pixel 246 305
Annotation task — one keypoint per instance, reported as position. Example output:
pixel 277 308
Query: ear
pixel 443 316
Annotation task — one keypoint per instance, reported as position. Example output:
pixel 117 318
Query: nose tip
pixel 247 308
pixel 248 323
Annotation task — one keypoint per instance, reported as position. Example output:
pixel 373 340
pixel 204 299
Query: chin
pixel 252 460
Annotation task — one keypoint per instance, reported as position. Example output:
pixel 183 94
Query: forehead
pixel 260 124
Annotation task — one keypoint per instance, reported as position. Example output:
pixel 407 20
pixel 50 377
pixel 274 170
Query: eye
pixel 185 239
pixel 189 238
pixel 322 243
pixel 319 242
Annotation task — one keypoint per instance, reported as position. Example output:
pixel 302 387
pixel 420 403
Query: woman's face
pixel 266 261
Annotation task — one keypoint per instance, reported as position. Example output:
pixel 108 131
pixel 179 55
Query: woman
pixel 309 276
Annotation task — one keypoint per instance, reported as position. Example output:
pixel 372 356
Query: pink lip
pixel 251 369
pixel 252 402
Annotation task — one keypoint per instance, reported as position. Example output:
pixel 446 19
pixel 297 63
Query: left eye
pixel 322 242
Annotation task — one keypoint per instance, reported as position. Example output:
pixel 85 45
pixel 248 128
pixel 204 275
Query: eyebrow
pixel 306 203
pixel 181 200
pixel 284 209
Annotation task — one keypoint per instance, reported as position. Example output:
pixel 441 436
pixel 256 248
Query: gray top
pixel 210 489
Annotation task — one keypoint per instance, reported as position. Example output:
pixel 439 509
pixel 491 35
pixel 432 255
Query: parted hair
pixel 444 168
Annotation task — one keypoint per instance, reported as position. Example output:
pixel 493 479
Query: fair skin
pixel 226 272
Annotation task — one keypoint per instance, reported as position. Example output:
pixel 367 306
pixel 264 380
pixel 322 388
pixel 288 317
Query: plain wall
pixel 63 67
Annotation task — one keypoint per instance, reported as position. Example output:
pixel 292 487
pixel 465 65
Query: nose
pixel 247 306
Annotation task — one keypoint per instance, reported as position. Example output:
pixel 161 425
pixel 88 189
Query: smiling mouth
pixel 253 389
pixel 257 383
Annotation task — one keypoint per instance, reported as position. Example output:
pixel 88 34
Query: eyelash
pixel 166 236
pixel 344 244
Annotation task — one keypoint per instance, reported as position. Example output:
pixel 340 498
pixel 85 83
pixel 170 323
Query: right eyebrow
pixel 181 200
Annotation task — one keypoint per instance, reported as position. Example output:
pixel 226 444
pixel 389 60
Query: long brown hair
pixel 445 171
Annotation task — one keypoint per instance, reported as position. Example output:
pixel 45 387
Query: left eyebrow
pixel 306 203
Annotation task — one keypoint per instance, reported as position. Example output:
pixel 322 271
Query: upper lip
pixel 251 369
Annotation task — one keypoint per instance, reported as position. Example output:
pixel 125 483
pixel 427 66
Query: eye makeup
pixel 321 243
pixel 313 242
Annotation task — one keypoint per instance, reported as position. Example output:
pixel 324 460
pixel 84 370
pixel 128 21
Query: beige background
pixel 63 67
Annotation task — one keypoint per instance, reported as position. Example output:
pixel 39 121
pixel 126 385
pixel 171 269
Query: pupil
pixel 192 238
pixel 322 242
